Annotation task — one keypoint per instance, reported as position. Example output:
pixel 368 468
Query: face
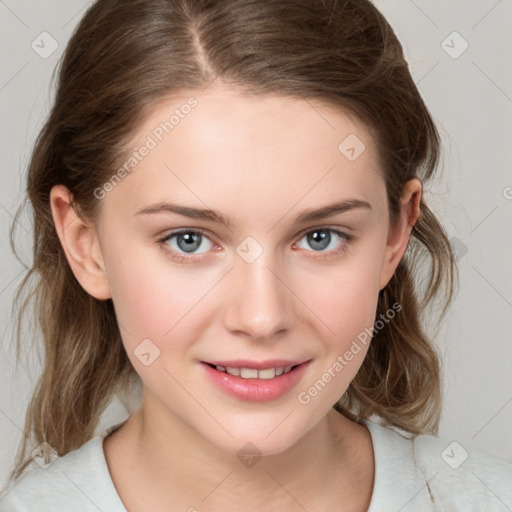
pixel 271 286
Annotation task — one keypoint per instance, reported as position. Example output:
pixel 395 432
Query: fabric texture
pixel 412 474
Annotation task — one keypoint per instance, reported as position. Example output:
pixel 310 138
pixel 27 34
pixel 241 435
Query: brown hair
pixel 126 56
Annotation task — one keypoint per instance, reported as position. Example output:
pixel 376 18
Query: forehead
pixel 225 118
pixel 223 147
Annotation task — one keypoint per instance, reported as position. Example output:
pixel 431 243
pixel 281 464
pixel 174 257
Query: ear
pixel 80 243
pixel 398 235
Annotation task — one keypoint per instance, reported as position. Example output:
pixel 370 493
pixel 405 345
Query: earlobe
pixel 80 243
pixel 399 234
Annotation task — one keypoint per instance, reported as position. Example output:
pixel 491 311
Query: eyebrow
pixel 214 216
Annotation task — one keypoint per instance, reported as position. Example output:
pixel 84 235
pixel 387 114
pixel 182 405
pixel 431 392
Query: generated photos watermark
pixel 151 142
pixel 364 337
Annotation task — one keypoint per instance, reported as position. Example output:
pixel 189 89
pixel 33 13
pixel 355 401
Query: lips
pixel 256 381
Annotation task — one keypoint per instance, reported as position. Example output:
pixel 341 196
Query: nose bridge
pixel 261 305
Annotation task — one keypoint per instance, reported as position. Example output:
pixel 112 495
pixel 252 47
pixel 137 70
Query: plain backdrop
pixel 459 53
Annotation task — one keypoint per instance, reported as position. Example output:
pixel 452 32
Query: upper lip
pixel 258 365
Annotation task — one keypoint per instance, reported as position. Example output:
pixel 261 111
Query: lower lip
pixel 256 390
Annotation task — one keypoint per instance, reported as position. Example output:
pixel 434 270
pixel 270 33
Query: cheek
pixel 349 311
pixel 150 295
pixel 155 307
pixel 344 296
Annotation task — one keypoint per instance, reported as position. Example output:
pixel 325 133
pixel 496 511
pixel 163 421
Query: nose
pixel 260 302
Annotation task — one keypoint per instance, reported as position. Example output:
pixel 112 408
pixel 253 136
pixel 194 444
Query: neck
pixel 178 465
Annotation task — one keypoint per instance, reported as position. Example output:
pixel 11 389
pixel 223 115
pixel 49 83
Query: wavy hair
pixel 124 57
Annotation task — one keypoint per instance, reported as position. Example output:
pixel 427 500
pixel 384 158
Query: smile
pixel 255 384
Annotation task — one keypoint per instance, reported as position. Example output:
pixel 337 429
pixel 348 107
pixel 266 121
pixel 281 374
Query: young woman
pixel 229 211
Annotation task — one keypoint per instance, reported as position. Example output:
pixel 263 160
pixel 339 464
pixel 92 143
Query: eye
pixel 182 242
pixel 320 239
pixel 185 241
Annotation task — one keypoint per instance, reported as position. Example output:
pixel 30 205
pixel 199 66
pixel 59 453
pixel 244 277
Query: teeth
pixel 253 373
pixel 267 374
pixel 248 373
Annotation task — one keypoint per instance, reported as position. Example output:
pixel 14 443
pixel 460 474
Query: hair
pixel 124 58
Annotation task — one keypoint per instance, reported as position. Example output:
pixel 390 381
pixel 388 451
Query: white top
pixel 412 474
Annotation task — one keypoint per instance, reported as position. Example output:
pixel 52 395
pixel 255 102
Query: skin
pixel 259 161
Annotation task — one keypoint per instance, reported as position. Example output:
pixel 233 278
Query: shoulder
pixel 430 473
pixel 78 480
pixel 463 476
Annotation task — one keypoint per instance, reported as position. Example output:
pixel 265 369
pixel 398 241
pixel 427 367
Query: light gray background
pixel 470 97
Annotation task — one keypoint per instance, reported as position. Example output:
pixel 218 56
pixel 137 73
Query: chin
pixel 270 438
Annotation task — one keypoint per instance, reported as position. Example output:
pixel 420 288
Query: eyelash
pixel 189 259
